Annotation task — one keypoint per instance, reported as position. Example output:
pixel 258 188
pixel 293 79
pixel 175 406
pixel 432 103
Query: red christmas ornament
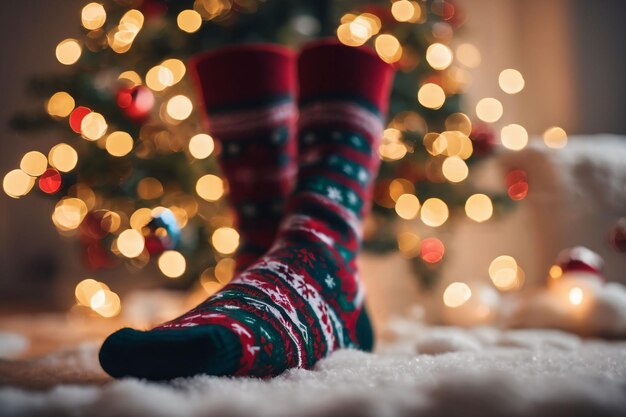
pixel 77 116
pixel 617 237
pixel 580 259
pixel 135 102
pixel 483 140
pixel 50 181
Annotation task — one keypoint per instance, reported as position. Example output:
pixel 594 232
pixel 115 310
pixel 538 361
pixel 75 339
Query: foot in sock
pixel 303 299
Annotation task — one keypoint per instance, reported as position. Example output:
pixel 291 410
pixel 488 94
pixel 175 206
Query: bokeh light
pixel 468 55
pixel 432 250
pixel 130 243
pixel 514 137
pixel 454 169
pixel 106 303
pixel 555 137
pixel 456 294
pixel 93 126
pixel 576 296
pixel 225 270
pixel 505 273
pixel 93 16
pixel 119 143
pixel 158 78
pixel 69 213
pixel 511 81
pixel 86 289
pixel 176 67
pixel 409 244
pixel 388 48
pixel 406 11
pixel 225 240
pixel 434 212
pixel 179 107
pixel 210 187
pixel 489 110
pixel 68 51
pixel 77 116
pixel 172 264
pixel 391 147
pixel 60 104
pixel 201 146
pixel 431 96
pixel 63 157
pixel 189 21
pixel 460 122
pixel 50 181
pixel 407 206
pixel 479 208
pixel 17 183
pixel 34 163
pixel 439 56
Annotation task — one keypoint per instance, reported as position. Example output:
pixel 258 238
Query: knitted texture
pixel 248 93
pixel 303 299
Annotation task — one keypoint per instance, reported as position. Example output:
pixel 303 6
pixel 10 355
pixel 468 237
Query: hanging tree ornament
pixel 136 102
pixel 163 232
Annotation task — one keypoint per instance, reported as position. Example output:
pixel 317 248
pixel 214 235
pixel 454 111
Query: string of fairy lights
pixel 161 96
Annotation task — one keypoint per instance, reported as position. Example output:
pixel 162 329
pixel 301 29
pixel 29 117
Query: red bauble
pixel 618 235
pixel 136 103
pixel 580 259
pixel 483 140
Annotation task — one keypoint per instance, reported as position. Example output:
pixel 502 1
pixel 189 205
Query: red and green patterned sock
pixel 303 299
pixel 248 94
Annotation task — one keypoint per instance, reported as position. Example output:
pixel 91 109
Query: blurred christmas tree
pixel 135 180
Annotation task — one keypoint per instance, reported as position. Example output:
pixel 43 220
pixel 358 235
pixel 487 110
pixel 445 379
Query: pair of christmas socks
pixel 300 185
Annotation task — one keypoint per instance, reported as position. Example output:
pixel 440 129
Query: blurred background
pixel 570 53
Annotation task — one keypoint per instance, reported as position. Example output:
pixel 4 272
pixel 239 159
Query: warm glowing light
pixel 432 250
pixel 505 273
pixel 176 67
pixel 400 186
pixel 431 96
pixel 392 148
pixel 149 188
pixel 210 187
pixel 479 208
pixel 172 264
pixel 388 48
pixel 131 76
pixel 179 107
pixel 514 137
pixel 489 110
pixel 34 163
pixel 106 303
pixel 189 21
pixel 555 137
pixel 130 243
pixel 77 116
pixel 468 55
pixel 406 11
pixel 511 81
pixel 225 270
pixel 68 51
pixel 555 272
pixel 225 240
pixel 119 143
pixel 576 296
pixel 460 122
pixel 17 183
pixel 456 294
pixel 201 146
pixel 409 244
pixel 407 206
pixel 158 78
pixel 60 104
pixel 140 218
pixel 93 16
pixel 86 289
pixel 69 213
pixel 434 212
pixel 435 143
pixel 454 169
pixel 93 126
pixel 63 157
pixel 439 56
pixel 50 181
pixel 356 30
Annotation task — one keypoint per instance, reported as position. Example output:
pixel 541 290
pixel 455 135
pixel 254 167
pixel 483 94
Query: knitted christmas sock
pixel 303 299
pixel 248 94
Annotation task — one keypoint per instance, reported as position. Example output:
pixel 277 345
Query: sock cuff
pixel 329 69
pixel 241 76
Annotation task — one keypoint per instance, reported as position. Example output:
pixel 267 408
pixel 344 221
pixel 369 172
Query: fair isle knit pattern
pixel 258 160
pixel 303 299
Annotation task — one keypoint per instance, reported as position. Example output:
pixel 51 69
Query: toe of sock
pixel 171 353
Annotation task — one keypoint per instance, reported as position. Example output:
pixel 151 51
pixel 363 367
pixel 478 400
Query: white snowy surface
pixel 428 371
